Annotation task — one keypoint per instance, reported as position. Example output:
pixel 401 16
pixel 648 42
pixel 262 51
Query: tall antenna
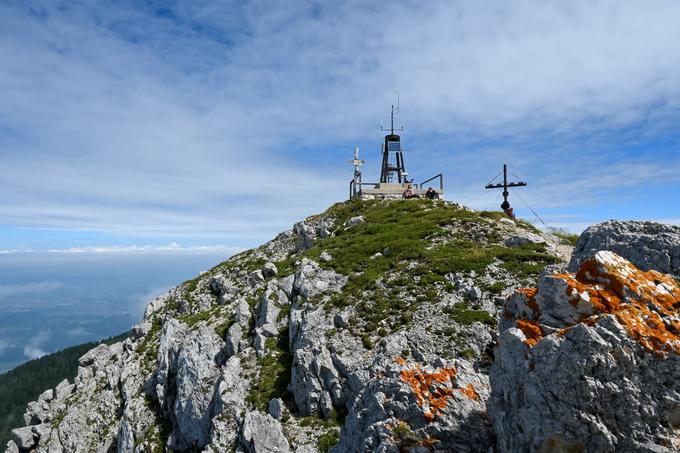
pixel 393 112
pixel 392 147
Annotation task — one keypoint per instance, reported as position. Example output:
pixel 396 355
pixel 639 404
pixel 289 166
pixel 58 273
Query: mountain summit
pixel 388 326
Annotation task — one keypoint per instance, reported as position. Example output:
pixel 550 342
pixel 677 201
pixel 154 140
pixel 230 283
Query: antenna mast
pixel 393 145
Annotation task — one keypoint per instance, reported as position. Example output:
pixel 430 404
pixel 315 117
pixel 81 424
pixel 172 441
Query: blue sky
pixel 196 125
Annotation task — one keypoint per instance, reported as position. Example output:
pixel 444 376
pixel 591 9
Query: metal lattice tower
pixel 392 147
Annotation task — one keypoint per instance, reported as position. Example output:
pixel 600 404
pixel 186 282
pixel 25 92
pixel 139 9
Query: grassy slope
pixel 26 382
pixel 408 232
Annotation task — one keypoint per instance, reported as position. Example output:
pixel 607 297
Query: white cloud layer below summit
pixel 229 119
pixel 29 288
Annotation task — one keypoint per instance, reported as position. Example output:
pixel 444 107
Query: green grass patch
pixel 222 329
pixel 328 440
pixel 404 436
pixel 149 347
pixel 495 288
pixel 566 236
pixel 465 316
pixel 275 370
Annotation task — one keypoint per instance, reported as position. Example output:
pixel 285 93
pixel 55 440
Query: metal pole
pixel 505 204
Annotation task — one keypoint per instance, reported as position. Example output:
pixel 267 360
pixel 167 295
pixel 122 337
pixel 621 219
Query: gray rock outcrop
pixel 585 362
pixel 647 245
pixel 385 349
pixel 263 434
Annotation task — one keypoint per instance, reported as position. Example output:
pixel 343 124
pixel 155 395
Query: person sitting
pixel 408 193
pixel 431 194
pixel 510 213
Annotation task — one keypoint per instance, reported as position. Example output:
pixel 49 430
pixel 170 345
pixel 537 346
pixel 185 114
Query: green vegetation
pixel 26 382
pixel 496 288
pixel 563 234
pixel 404 436
pixel 407 245
pixel 275 369
pixel 149 347
pixel 328 440
pixel 468 353
pixel 221 329
pixel 465 316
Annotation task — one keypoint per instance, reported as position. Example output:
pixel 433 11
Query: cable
pixel 515 176
pixel 494 178
pixel 469 203
pixel 527 205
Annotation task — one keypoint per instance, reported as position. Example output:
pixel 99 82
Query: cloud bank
pixel 217 119
pixel 29 288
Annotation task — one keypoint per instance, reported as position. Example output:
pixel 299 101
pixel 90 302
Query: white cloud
pixel 33 349
pixel 140 301
pixel 171 247
pixel 79 331
pixel 233 120
pixel 29 288
pixel 5 345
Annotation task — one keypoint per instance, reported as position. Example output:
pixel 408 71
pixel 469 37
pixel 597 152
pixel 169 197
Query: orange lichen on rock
pixel 400 360
pixel 646 303
pixel 429 442
pixel 432 389
pixel 530 294
pixel 470 392
pixel 531 331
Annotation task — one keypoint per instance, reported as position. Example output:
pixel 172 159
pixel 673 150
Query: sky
pixel 209 126
pixel 49 304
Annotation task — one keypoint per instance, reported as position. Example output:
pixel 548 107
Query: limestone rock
pixel 647 245
pixel 276 408
pixel 269 270
pixel 311 280
pixel 25 438
pixel 233 340
pixel 308 231
pixel 522 238
pixel 196 376
pixel 263 434
pixel 354 221
pixel 583 360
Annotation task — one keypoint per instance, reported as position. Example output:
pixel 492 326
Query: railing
pixel 355 187
pixel 440 176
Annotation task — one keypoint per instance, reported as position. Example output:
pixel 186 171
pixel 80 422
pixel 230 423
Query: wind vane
pixel 505 206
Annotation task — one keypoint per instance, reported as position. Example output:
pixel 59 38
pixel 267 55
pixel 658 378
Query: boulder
pixel 523 238
pixel 276 408
pixel 311 280
pixel 582 362
pixel 25 438
pixel 309 230
pixel 263 434
pixel 196 377
pixel 648 245
pixel 354 221
pixel 269 270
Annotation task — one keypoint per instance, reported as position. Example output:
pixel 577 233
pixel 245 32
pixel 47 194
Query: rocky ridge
pixel 370 327
pixel 587 362
pixel 650 245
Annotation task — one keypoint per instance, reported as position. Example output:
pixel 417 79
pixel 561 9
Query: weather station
pixel 394 179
